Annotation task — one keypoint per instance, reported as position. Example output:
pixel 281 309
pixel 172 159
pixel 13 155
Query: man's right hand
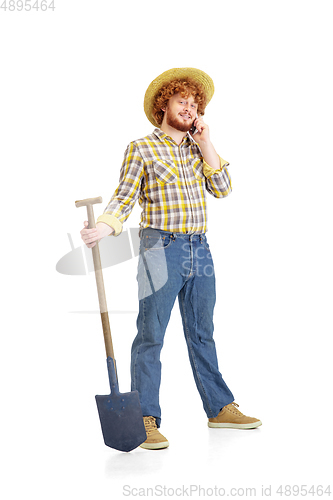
pixel 93 235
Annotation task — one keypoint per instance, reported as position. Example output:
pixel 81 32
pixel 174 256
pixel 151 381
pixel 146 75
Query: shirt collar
pixel 187 140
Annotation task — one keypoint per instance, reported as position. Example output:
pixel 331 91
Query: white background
pixel 72 87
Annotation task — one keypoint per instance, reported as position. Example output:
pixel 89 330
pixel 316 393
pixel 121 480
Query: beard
pixel 175 122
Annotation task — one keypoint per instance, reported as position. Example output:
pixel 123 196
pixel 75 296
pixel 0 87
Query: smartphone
pixel 193 129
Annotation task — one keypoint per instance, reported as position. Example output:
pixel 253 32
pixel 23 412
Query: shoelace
pixel 150 425
pixel 232 407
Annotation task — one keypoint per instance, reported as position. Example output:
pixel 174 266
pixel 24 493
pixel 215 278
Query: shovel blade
pixel 121 420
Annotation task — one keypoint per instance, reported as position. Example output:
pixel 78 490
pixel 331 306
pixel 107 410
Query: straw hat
pixel 172 74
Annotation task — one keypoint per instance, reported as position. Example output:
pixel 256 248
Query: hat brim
pixel 173 74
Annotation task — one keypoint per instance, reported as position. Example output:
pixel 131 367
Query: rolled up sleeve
pixel 218 182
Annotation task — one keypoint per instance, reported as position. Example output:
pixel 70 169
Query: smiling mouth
pixel 185 116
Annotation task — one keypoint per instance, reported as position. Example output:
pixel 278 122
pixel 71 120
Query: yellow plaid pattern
pixel 169 181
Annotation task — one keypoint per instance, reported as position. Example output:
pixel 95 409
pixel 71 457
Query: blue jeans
pixel 176 265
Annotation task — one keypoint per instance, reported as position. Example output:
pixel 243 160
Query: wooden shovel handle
pixel 89 202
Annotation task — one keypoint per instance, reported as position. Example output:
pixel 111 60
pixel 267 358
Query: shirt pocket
pixel 165 172
pixel 196 166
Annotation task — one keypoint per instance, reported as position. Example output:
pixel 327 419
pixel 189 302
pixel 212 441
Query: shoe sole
pixel 155 446
pixel 252 425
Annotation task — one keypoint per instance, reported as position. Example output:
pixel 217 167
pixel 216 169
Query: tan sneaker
pixel 155 440
pixel 230 417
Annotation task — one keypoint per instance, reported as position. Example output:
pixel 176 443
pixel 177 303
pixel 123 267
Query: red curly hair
pixel 183 86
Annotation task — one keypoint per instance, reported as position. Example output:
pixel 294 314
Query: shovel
pixel 120 414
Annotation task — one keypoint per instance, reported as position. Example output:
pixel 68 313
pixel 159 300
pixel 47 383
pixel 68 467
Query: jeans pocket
pixel 152 242
pixel 205 243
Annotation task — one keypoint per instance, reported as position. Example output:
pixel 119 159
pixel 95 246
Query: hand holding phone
pixel 193 129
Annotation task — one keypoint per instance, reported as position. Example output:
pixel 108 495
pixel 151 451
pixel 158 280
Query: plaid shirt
pixel 170 181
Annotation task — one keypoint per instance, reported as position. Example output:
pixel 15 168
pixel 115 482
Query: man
pixel 169 172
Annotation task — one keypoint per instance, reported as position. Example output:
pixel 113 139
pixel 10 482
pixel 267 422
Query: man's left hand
pixel 202 131
pixel 203 139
